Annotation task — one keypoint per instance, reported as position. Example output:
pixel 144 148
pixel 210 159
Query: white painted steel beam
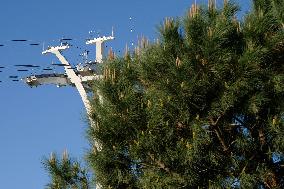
pixel 71 74
pixel 99 46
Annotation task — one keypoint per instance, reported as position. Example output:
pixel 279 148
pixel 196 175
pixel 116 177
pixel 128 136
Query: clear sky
pixel 37 121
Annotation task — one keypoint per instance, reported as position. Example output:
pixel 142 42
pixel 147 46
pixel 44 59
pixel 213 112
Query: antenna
pixel 112 32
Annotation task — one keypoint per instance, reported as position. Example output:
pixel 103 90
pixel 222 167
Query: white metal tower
pixel 75 79
pixel 72 77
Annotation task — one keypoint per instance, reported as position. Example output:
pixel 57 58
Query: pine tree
pixel 200 108
pixel 65 173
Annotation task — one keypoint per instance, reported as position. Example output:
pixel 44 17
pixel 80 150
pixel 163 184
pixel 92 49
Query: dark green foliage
pixel 201 108
pixel 123 106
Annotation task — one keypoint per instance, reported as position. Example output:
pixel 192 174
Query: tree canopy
pixel 201 107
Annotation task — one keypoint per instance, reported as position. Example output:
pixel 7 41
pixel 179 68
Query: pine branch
pixel 217 130
pixel 222 141
pixel 159 163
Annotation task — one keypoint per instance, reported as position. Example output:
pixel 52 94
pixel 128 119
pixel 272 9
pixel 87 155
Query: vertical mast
pixel 100 46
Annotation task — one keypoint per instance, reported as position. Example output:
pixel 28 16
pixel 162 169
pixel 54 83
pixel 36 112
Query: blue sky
pixel 37 121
